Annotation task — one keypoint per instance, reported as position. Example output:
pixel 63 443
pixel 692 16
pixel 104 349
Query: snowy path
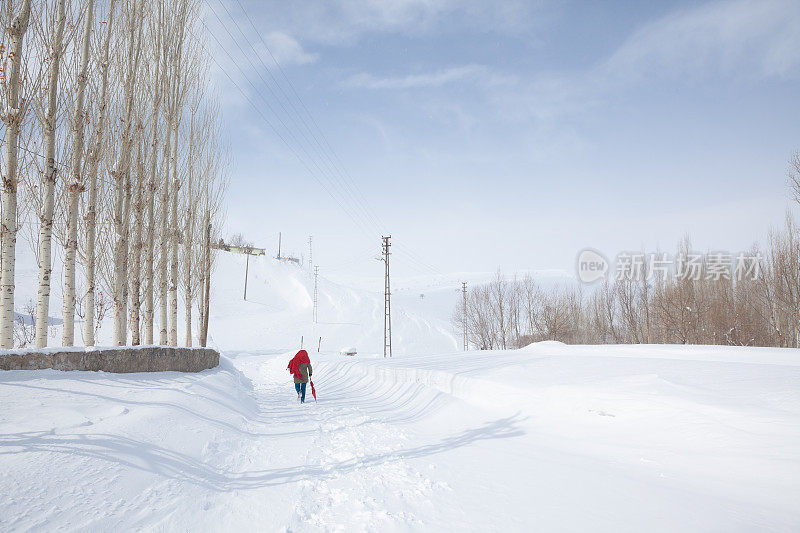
pixel 598 439
pixel 187 452
pixel 338 455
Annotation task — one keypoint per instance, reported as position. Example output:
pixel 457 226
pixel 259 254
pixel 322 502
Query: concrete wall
pixel 123 359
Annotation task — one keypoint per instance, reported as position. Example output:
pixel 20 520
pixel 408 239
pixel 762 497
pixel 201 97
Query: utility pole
pixel 206 289
pixel 246 270
pixel 316 283
pixel 279 245
pixel 464 293
pixel 387 315
pixel 310 261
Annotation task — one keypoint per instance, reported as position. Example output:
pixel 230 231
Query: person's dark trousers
pixel 301 390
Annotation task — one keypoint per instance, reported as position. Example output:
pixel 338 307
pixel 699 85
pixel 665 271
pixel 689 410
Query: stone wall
pixel 122 359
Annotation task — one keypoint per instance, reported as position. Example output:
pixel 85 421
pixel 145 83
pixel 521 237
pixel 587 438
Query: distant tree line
pixel 111 148
pixel 664 308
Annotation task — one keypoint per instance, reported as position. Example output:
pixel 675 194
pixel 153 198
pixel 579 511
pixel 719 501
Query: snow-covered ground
pixel 550 437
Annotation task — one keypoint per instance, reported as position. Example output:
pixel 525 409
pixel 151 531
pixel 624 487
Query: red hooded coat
pixel 294 365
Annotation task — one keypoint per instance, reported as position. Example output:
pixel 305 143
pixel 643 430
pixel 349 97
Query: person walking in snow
pixel 300 368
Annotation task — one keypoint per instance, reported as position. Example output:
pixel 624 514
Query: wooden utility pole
pixel 464 293
pixel 316 292
pixel 387 293
pixel 246 270
pixel 207 289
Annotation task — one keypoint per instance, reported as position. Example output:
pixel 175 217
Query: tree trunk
pixel 49 183
pixel 162 259
pixel 120 251
pixel 122 183
pixel 149 246
pixel 188 251
pixel 8 231
pixel 174 233
pixel 91 208
pixel 136 282
pixel 188 239
pixel 126 252
pixel 149 310
pixel 76 187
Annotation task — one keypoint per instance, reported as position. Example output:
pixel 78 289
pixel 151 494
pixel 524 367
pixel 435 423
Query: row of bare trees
pixel 113 151
pixel 761 308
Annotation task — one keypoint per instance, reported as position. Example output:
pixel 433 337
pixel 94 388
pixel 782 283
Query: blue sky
pixel 507 134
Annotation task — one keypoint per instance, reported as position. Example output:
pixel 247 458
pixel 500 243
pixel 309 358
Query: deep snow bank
pixel 93 450
pixel 721 422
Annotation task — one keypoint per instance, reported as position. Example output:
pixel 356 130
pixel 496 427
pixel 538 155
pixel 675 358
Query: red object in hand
pixel 313 390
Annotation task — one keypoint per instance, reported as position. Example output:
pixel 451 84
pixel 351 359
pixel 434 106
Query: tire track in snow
pixel 357 474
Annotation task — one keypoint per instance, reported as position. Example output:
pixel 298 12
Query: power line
pixel 361 214
pixel 342 170
pixel 319 150
pixel 275 130
pixel 312 160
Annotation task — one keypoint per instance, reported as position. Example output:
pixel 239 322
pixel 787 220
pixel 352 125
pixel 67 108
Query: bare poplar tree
pixel 190 206
pixel 173 50
pixel 213 182
pixel 49 180
pixel 98 138
pixel 121 172
pixel 794 176
pixel 12 115
pixel 136 249
pixel 77 184
pixel 178 84
pixel 134 117
pixel 156 82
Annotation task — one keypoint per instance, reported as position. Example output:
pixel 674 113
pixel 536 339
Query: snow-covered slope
pixel 279 308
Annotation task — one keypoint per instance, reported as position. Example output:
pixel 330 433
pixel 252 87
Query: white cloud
pixel 285 49
pixel 470 73
pixel 741 39
pixel 759 37
pixel 343 22
pixel 243 59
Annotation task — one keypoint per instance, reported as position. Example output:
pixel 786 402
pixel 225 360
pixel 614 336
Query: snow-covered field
pixel 548 438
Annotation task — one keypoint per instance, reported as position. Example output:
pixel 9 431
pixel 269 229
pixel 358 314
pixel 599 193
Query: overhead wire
pixel 330 188
pixel 336 174
pixel 275 129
